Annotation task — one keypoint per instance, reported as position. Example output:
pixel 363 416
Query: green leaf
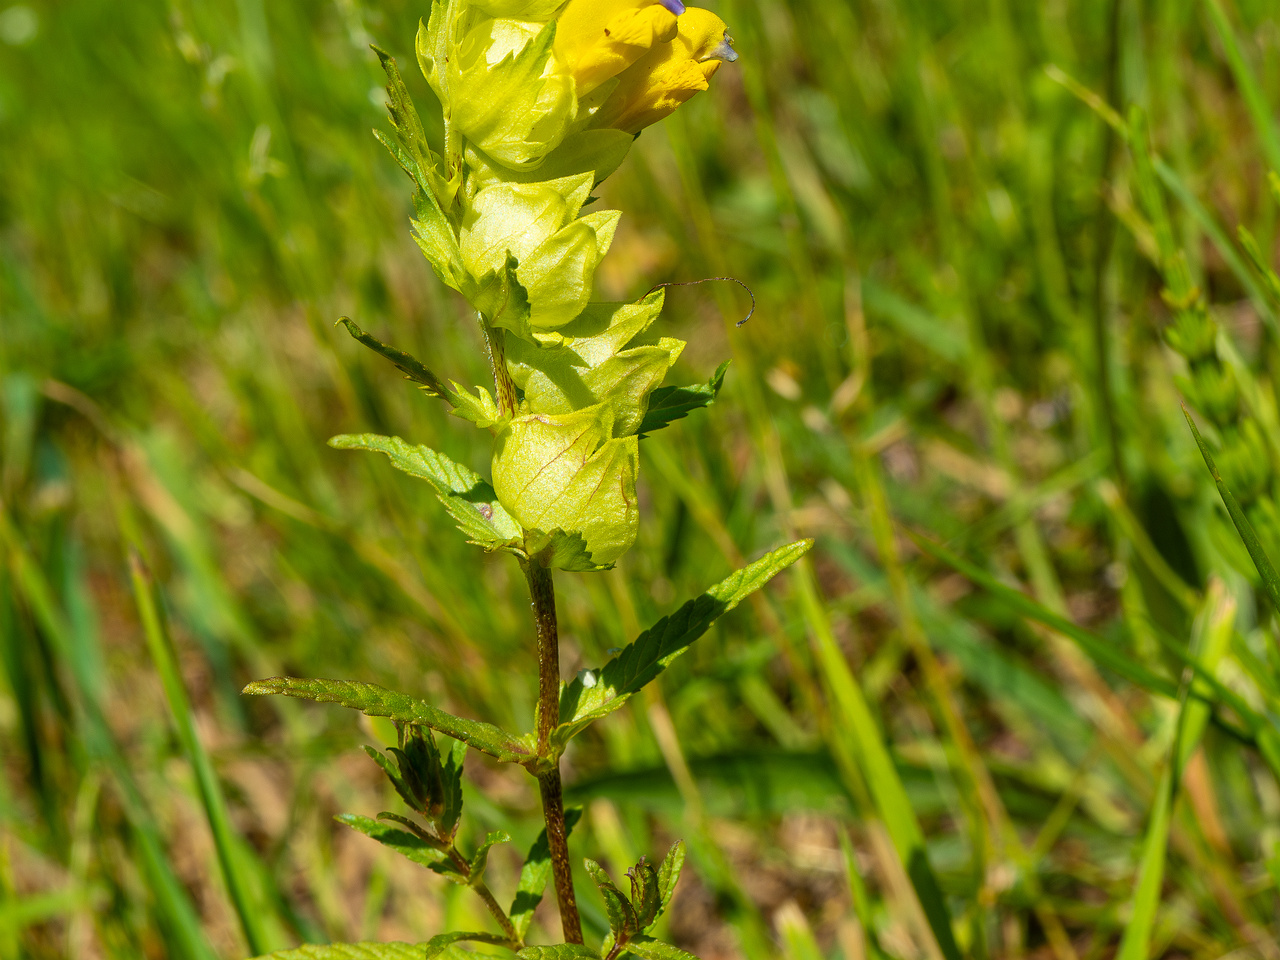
pixel 622 916
pixel 558 951
pixel 481 859
pixel 442 941
pixel 501 298
pixel 410 366
pixel 480 408
pixel 415 155
pixel 1270 582
pixel 667 404
pixel 595 694
pixel 376 701
pixel 564 551
pixel 402 788
pixel 535 874
pixel 435 194
pixel 350 951
pixel 404 843
pixel 419 762
pixel 645 893
pixel 651 949
pixel 451 780
pixel 468 498
pixel 669 873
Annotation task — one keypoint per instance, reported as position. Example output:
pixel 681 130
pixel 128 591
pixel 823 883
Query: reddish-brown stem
pixel 542 591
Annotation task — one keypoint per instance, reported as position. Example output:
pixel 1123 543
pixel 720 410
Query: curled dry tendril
pixel 688 283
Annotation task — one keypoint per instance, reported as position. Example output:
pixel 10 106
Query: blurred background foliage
pixel 957 335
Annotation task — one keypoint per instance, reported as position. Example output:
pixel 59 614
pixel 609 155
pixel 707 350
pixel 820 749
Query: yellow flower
pixel 598 39
pixel 668 75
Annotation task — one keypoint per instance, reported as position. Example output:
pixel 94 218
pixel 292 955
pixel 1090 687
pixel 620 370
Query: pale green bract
pixel 556 250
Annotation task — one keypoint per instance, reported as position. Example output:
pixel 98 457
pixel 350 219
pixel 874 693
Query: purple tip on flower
pixel 675 6
pixel 723 51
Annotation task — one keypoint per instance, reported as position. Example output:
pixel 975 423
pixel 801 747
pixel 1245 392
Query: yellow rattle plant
pixel 541 100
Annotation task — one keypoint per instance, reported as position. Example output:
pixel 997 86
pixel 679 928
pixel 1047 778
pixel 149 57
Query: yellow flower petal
pixel 598 39
pixel 668 75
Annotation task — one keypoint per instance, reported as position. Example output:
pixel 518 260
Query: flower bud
pixel 567 473
pixel 537 223
pixel 669 74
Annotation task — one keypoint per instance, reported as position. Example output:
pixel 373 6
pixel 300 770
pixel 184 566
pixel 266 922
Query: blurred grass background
pixel 957 333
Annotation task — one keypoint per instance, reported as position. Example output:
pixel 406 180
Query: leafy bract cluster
pixel 541 100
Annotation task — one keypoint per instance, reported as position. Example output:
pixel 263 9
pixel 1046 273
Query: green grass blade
pixel 1264 125
pixel 227 843
pixel 1270 581
pixel 887 790
pixel 1098 649
pixel 1217 236
pixel 1214 628
pixel 172 900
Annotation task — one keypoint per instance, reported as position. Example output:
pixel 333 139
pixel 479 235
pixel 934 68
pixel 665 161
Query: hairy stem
pixel 490 901
pixel 499 914
pixel 542 590
pixel 495 340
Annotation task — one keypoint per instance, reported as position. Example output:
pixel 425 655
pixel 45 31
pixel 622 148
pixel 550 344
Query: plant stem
pixel 481 888
pixel 542 590
pixel 495 340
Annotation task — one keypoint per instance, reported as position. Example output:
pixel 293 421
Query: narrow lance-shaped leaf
pixel 349 951
pixel 404 843
pixel 441 942
pixel 434 194
pixel 376 701
pixel 622 916
pixel 645 893
pixel 535 874
pixel 669 873
pixel 413 368
pixel 558 951
pixel 452 783
pixel 1270 581
pixel 667 404
pixel 402 788
pixel 481 859
pixel 596 694
pixel 468 498
pixel 651 949
pixel 1210 639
